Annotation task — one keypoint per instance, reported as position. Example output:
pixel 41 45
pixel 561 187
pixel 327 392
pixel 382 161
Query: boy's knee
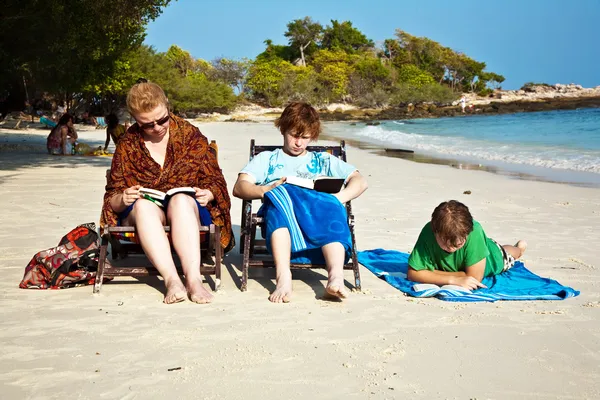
pixel 280 233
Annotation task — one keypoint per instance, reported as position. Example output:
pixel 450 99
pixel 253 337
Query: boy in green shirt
pixel 453 249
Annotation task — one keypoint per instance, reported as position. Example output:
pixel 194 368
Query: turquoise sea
pixel 561 146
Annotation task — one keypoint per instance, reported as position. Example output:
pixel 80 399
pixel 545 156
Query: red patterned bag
pixel 73 262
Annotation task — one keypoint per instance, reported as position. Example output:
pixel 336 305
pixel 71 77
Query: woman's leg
pixel 63 142
pixel 335 254
pixel 281 246
pixel 149 220
pixel 182 214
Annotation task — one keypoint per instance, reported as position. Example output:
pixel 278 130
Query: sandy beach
pixel 380 344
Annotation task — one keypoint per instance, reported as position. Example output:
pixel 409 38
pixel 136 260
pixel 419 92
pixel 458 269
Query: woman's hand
pixel 204 196
pixel 130 195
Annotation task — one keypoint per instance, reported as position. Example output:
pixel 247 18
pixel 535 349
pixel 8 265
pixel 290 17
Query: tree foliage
pixel 265 78
pixel 414 76
pixel 181 60
pixel 231 72
pixel 64 45
pixel 93 51
pixel 302 33
pixel 343 36
pixel 346 66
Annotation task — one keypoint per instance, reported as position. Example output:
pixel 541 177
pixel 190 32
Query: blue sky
pixel 552 41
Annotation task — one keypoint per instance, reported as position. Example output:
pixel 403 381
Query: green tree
pixel 369 82
pixel 265 78
pixel 276 51
pixel 301 33
pixel 343 36
pixel 405 93
pixel 334 68
pixel 231 72
pixel 180 59
pixel 493 79
pixel 414 76
pixel 372 70
pixel 189 90
pixel 197 93
pixel 66 45
pixel 426 54
pixel 300 84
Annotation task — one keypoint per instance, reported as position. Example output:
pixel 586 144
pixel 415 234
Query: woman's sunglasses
pixel 150 125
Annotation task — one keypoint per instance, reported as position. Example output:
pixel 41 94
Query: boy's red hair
pixel 299 119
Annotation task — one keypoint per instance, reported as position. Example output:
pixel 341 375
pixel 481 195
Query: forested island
pixel 86 56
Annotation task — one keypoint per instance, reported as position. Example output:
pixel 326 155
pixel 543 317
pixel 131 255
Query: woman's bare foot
pixel 198 293
pixel 521 245
pixel 283 290
pixel 176 292
pixel 335 287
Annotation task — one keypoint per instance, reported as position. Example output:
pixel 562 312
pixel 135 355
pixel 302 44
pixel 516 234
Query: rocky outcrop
pixel 494 107
pixel 529 99
pixel 535 92
pixel 537 97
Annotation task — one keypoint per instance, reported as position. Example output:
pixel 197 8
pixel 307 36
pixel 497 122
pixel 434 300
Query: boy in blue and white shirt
pixel 299 124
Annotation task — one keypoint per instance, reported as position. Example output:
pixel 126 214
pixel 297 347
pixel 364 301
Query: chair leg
pixel 218 256
pixel 116 247
pixel 357 283
pixel 246 261
pixel 101 262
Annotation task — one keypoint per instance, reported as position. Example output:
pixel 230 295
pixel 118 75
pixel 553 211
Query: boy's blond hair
pixel 145 97
pixel 299 119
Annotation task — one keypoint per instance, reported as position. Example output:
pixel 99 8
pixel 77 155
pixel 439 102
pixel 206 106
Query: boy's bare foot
pixel 176 292
pixel 521 245
pixel 283 290
pixel 335 287
pixel 197 292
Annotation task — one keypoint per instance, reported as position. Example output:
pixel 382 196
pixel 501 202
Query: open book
pixel 430 290
pixel 159 197
pixel 324 184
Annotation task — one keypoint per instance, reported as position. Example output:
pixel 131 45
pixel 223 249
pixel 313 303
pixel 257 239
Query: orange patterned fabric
pixel 188 162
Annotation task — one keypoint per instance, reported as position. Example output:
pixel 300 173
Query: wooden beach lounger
pixel 255 250
pixel 124 242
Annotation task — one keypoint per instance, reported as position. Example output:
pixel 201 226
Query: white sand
pixel 379 344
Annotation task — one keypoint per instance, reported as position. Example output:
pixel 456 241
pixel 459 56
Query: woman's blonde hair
pixel 145 97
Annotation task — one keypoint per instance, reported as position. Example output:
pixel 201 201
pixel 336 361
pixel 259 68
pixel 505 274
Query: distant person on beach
pixel 162 151
pixel 453 249
pixel 114 130
pixel 62 137
pixel 88 119
pixel 463 103
pixel 299 125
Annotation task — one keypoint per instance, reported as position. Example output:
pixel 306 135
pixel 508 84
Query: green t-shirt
pixel 428 254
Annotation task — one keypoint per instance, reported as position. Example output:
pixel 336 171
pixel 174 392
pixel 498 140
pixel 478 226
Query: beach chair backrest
pixel 337 151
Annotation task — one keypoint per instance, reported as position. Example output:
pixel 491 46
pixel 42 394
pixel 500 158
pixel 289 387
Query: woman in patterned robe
pixel 162 151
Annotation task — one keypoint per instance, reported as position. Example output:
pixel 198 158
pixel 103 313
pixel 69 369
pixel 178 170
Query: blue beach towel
pixel 314 219
pixel 518 283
